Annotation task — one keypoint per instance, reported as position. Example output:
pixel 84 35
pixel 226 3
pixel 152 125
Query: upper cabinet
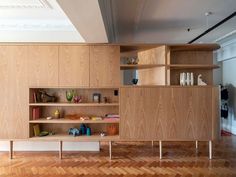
pixel 14 92
pixel 104 66
pixel 43 65
pixel 74 66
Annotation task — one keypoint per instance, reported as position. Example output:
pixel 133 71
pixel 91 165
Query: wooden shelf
pixel 140 66
pixel 191 66
pixel 74 104
pixel 194 47
pixel 66 137
pixel 66 121
pixel 72 87
pixel 168 86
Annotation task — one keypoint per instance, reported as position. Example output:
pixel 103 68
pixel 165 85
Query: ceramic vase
pixel 191 79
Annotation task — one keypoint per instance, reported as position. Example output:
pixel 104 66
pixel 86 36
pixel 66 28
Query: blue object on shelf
pixel 88 131
pixel 82 129
pixel 74 131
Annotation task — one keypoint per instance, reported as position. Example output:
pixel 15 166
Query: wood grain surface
pixel 104 66
pixel 74 66
pixel 166 113
pixel 43 65
pixel 14 92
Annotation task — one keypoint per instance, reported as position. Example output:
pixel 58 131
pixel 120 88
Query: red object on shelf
pixel 36 113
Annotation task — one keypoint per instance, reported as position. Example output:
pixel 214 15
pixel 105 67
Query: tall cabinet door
pixel 14 92
pixel 74 66
pixel 43 66
pixel 104 66
pixel 166 113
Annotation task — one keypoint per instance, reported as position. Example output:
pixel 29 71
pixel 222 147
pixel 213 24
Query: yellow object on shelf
pixel 57 114
pixel 96 118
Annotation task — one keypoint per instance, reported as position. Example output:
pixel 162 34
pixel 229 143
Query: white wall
pixel 50 146
pixel 227 55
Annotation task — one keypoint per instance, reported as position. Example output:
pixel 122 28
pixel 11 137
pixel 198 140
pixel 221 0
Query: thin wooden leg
pixel 196 144
pixel 110 153
pixel 160 149
pixel 210 150
pixel 60 149
pixel 11 150
pixel 152 143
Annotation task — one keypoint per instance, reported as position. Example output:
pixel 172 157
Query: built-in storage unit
pixel 157 108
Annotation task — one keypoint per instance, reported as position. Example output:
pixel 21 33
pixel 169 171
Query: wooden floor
pixel 129 159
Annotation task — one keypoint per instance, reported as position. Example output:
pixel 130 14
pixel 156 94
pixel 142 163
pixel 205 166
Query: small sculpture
pixel 102 134
pixel 132 60
pixel 74 131
pixel 43 96
pixel 199 80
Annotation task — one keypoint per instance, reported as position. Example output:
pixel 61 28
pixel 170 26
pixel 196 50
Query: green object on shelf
pixel 43 133
pixel 69 95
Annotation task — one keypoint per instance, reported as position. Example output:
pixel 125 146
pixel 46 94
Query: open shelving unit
pixel 162 64
pixel 87 107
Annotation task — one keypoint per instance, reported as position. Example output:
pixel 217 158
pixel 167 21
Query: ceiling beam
pixel 87 18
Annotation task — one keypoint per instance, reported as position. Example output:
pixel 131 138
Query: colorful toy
pixel 74 132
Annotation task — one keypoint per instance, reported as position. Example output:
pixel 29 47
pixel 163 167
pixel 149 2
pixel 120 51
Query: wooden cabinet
pixel 13 94
pixel 74 66
pixel 104 66
pixel 166 113
pixel 43 65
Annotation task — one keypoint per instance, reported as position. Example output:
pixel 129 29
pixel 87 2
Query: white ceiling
pixel 35 21
pixel 165 21
pixel 142 21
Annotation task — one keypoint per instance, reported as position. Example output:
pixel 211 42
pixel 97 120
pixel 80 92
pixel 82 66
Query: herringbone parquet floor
pixel 129 159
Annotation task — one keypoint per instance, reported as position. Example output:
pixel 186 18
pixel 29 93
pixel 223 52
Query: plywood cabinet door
pixel 74 66
pixel 43 65
pixel 14 92
pixel 104 66
pixel 165 113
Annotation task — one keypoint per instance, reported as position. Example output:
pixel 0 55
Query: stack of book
pixel 35 113
pixel 111 117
